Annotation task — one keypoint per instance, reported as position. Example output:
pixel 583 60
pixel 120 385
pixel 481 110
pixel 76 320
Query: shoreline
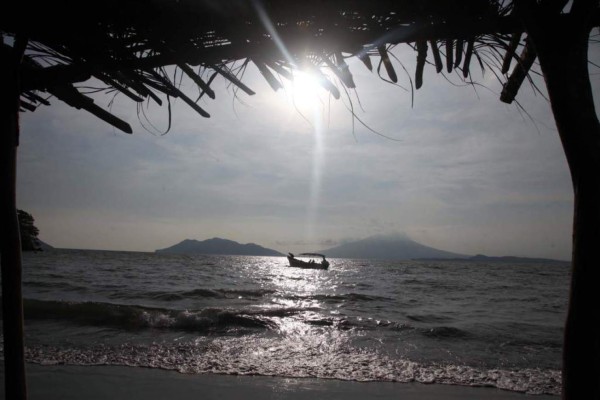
pixel 129 383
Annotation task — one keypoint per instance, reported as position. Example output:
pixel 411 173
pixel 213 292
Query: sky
pixel 457 170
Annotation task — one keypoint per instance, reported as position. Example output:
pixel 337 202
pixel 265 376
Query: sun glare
pixel 304 90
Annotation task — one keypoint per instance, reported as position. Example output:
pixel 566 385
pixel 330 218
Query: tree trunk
pixel 563 58
pixel 10 241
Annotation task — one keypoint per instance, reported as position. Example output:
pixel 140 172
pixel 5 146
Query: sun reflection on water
pixel 297 302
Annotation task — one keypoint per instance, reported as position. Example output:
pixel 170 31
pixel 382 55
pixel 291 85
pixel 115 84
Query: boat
pixel 312 264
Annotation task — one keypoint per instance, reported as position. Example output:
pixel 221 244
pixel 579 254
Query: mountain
pixel 219 246
pixel 513 260
pixel 389 247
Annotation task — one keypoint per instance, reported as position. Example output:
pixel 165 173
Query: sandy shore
pixel 116 383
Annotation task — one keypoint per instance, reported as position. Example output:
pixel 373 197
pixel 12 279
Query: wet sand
pixel 125 383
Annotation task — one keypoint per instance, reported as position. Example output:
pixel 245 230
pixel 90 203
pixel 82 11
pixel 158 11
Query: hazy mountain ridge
pixel 390 247
pixel 219 246
pixel 382 247
pixel 509 259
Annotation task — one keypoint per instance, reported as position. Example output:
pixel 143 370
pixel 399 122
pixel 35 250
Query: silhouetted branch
pixel 519 74
pixel 421 58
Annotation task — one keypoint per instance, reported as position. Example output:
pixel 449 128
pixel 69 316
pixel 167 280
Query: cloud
pixel 468 173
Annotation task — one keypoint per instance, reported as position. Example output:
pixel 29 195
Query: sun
pixel 304 90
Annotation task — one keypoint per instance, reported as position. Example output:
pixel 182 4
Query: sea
pixel 448 322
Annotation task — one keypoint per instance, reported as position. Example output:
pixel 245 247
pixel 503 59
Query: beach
pixel 126 383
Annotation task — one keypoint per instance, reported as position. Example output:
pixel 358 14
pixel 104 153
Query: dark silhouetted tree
pixel 29 232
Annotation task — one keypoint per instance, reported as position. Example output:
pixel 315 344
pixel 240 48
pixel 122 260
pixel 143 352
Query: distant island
pixel 396 246
pixel 504 259
pixel 399 246
pixel 220 247
pixel 379 247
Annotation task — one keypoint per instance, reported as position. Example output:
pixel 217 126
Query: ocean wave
pixel 437 332
pixel 200 293
pixel 446 332
pixel 429 318
pixel 295 358
pixel 356 297
pixel 521 343
pixel 54 285
pixel 219 320
pixel 252 293
pixel 206 320
pixel 138 317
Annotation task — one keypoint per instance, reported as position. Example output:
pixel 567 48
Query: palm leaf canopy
pixel 127 44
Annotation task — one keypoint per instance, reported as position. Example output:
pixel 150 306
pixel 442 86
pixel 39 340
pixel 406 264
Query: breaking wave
pixel 138 317
pixel 251 355
pixel 132 317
